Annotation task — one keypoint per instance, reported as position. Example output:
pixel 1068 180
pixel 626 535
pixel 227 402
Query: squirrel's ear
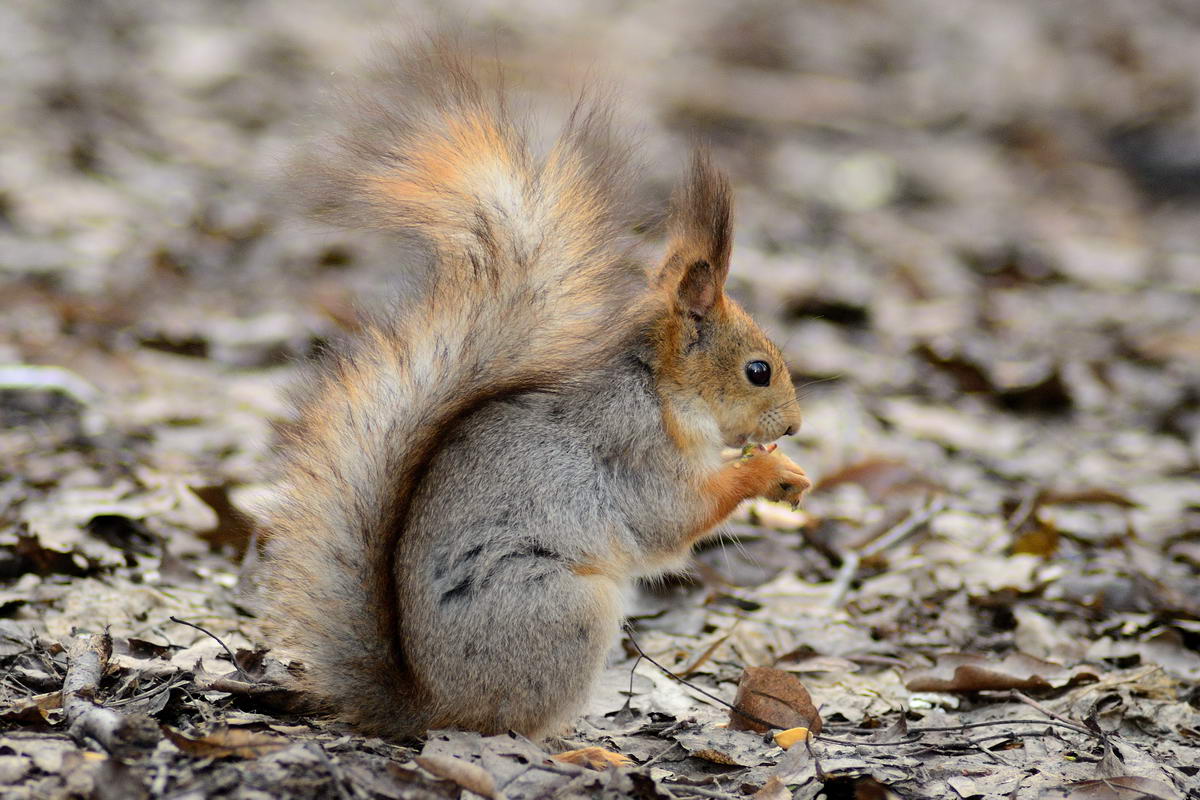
pixel 699 289
pixel 700 228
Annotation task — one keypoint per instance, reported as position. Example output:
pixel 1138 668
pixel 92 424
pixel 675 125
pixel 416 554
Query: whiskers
pixel 723 537
pixel 801 390
pixel 789 402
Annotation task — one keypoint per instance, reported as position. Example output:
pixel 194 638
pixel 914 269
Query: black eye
pixel 758 373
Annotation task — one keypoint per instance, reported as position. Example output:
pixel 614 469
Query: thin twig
pixel 241 673
pixel 708 651
pixel 978 745
pixel 817 768
pixel 694 687
pixel 1029 701
pixel 148 693
pixel 845 576
pixel 900 531
pixel 910 739
pixel 1024 509
pixel 1009 735
pixel 917 732
pixel 558 770
pixel 683 788
pixel 660 754
pixel 627 705
pixel 117 733
pixel 904 528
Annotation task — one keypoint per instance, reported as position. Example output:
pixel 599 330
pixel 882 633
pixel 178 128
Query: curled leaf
pixel 768 695
pixel 969 672
pixel 227 743
pixel 471 777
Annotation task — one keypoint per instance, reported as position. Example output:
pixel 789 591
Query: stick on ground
pixel 117 733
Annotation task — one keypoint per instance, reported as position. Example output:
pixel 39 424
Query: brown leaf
pixel 227 743
pixel 716 757
pixel 1123 788
pixel 704 657
pixel 880 478
pixel 1037 538
pixel 33 709
pixel 233 527
pixel 724 746
pixel 969 672
pixel 471 777
pixel 28 555
pixel 1087 496
pixel 140 648
pixel 776 697
pixel 867 788
pixel 773 789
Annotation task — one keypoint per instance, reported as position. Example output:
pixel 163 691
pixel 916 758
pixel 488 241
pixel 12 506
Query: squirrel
pixel 472 483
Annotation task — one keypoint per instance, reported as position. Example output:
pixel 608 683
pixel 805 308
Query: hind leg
pixel 516 645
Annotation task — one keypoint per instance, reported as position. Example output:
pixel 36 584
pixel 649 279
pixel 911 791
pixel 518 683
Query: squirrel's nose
pixel 790 430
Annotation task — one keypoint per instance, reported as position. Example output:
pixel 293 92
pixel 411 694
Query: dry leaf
pixel 716 757
pixel 880 478
pixel 35 708
pixel 725 746
pixel 969 672
pixel 773 789
pixel 776 697
pixel 1037 538
pixel 471 777
pixel 1085 496
pixel 1124 788
pixel 227 743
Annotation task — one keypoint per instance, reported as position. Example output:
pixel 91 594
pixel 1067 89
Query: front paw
pixel 789 483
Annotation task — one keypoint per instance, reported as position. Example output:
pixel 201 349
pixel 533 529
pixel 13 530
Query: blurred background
pixel 972 224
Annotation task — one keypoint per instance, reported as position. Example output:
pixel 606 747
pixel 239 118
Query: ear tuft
pixel 701 213
pixel 701 235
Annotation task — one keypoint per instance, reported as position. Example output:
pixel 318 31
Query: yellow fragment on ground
pixel 786 739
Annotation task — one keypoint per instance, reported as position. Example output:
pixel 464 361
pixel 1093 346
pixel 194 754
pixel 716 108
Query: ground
pixel 971 225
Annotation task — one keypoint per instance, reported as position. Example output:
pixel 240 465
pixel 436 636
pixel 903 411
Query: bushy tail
pixel 526 283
